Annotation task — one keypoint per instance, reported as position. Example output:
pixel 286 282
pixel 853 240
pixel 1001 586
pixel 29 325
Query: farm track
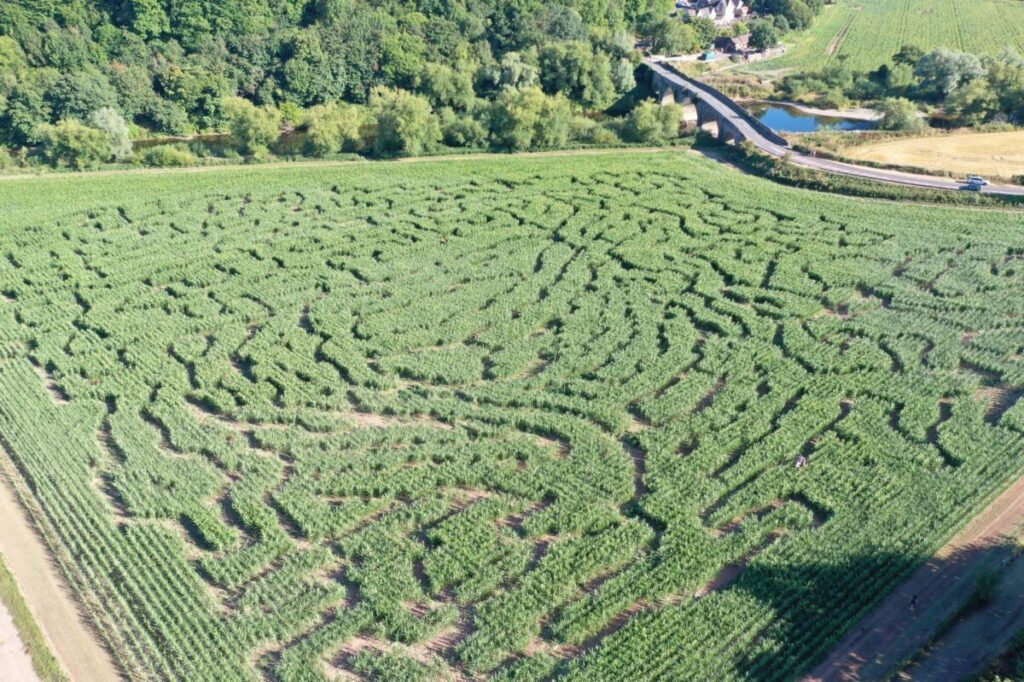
pixel 894 632
pixel 57 613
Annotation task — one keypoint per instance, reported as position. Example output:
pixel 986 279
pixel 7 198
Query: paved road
pixel 738 117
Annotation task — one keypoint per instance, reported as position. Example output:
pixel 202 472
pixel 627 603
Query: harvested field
pixel 989 154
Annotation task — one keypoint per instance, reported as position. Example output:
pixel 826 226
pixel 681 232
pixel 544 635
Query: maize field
pixel 514 419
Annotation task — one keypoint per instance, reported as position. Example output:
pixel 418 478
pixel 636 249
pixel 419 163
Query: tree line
pixel 80 79
pixel 464 73
pixel 967 89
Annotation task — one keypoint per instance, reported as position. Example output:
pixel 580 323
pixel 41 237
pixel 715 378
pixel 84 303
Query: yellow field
pixel 996 154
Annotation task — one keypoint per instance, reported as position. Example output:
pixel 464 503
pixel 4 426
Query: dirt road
pixel 906 622
pixel 48 598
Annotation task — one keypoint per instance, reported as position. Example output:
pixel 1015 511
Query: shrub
pixel 72 143
pixel 253 128
pixel 168 156
pixel 113 124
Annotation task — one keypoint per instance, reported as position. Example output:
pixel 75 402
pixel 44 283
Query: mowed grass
pixel 994 154
pixel 510 418
pixel 866 33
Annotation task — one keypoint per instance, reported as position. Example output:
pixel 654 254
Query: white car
pixel 976 180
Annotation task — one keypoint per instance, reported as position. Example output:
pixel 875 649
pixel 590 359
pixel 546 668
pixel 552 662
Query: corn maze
pixel 515 419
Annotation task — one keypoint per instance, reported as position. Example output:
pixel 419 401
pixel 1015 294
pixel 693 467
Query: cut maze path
pixel 894 632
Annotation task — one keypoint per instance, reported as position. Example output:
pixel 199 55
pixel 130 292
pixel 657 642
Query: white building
pixel 722 12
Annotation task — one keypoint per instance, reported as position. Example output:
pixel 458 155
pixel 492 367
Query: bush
pixel 333 128
pixel 652 123
pixel 113 124
pixel 253 128
pixel 168 156
pixel 74 144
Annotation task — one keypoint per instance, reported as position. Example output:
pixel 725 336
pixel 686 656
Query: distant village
pixel 722 12
pixel 725 13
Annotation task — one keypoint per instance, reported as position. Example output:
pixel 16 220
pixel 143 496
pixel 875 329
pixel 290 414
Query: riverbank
pixel 858 114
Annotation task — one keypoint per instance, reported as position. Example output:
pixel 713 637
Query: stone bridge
pixel 734 123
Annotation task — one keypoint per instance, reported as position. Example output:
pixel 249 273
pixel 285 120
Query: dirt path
pixel 17 664
pixel 973 641
pixel 49 599
pixel 894 633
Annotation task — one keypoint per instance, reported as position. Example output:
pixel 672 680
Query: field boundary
pixel 67 630
pixel 23 648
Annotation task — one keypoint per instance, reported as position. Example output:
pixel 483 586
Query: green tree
pixel 899 113
pixel 975 103
pixel 671 36
pixel 575 70
pixel 78 94
pixel 27 109
pixel 446 86
pixel 147 17
pixel 623 75
pixel 113 124
pixel 253 129
pixel 557 22
pixel 651 123
pixel 333 128
pixel 405 122
pixel 944 71
pixel 705 30
pixel 528 118
pixel 763 35
pixel 73 144
pixel 462 130
pixel 908 55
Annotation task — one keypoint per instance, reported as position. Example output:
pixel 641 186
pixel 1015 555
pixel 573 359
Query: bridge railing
pixel 712 93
